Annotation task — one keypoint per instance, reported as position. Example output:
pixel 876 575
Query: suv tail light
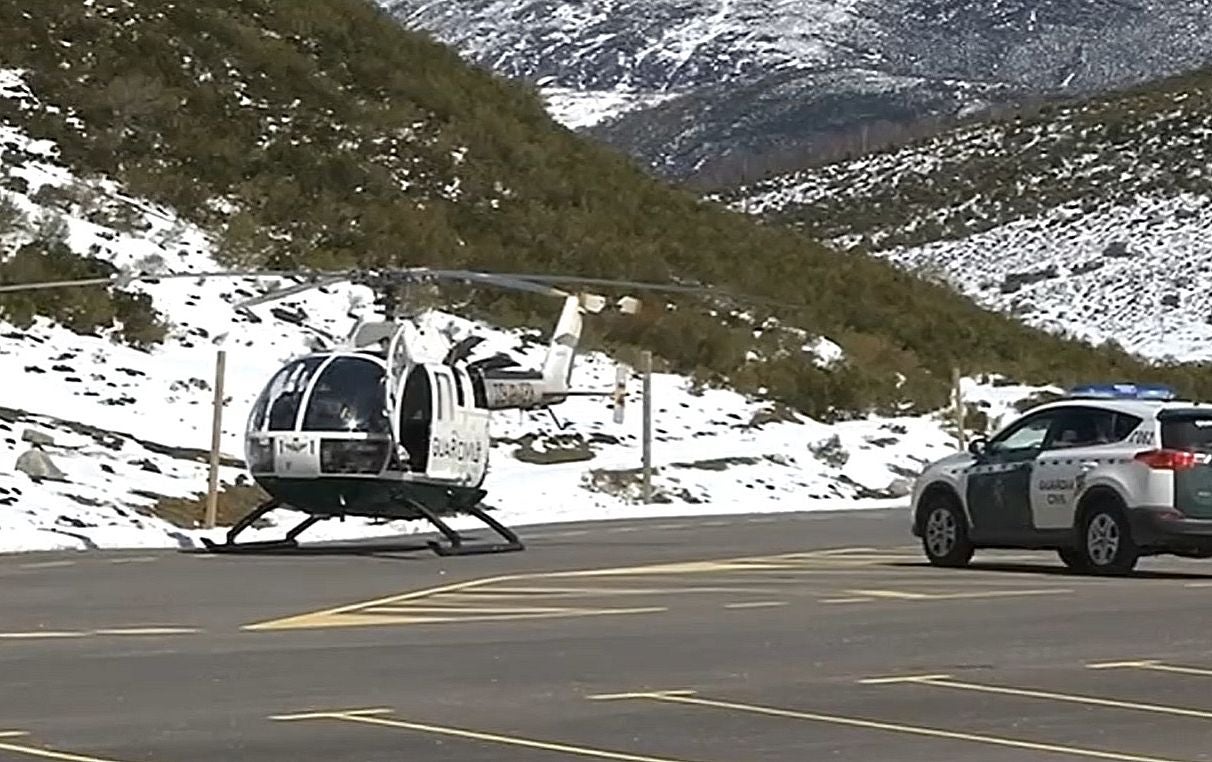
pixel 1168 460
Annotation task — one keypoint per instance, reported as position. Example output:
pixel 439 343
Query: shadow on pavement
pixel 1052 570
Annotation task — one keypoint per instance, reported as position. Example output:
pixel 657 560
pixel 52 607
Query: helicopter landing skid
pixel 458 548
pixel 290 541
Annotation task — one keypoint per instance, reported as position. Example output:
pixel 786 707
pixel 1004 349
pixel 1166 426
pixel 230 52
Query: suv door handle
pixel 1089 465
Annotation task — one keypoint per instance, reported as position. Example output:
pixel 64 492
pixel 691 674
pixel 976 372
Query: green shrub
pixel 12 219
pixel 85 309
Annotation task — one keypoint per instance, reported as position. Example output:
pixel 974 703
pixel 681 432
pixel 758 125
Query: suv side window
pixel 1125 424
pixel 1090 427
pixel 1027 434
pixel 1082 427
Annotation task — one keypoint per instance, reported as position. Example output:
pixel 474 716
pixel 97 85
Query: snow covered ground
pixel 127 427
pixel 580 109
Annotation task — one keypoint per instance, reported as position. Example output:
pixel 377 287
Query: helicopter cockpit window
pixel 348 396
pixel 279 403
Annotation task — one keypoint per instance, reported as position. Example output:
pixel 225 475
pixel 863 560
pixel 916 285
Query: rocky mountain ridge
pixel 720 90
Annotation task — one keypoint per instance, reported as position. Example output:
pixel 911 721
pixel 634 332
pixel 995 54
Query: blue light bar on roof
pixel 1124 391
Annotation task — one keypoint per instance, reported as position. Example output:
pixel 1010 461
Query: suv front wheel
pixel 1106 540
pixel 945 532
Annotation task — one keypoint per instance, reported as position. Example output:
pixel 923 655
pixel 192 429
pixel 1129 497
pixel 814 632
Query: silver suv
pixel 1105 475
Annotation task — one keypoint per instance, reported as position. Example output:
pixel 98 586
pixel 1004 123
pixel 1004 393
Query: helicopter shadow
pixel 1031 569
pixel 399 551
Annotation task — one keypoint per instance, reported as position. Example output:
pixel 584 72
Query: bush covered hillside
pixel 321 134
pixel 1089 218
pixel 1153 140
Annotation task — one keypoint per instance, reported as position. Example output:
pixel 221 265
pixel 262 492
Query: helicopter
pixel 363 427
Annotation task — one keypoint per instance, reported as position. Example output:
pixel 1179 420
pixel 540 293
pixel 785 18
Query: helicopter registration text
pixel 499 394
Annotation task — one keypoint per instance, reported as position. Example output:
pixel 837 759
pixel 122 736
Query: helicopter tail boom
pixel 528 389
pixel 561 353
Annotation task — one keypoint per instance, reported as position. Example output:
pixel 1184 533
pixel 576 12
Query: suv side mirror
pixel 978 446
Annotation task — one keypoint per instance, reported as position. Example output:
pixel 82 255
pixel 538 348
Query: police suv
pixel 1105 475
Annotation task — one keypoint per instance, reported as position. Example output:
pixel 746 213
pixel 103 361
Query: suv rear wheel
pixel 1106 540
pixel 945 531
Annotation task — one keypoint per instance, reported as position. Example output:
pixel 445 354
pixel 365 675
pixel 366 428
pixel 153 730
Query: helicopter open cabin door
pixel 398 364
pixel 459 441
pixel 442 437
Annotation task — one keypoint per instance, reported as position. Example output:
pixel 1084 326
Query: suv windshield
pixel 1187 430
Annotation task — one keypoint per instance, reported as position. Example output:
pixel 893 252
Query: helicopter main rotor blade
pixel 537 283
pixel 671 287
pixel 12 287
pixel 504 280
pixel 124 279
pixel 298 288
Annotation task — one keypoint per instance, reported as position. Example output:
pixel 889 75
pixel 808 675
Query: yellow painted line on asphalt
pixel 115 631
pixel 136 560
pixel 906 595
pixel 1154 666
pixel 353 614
pixel 899 679
pixel 1001 593
pixel 147 631
pixel 373 717
pixel 453 609
pixel 330 714
pixel 687 698
pixel 12 733
pixel 755 604
pixel 346 615
pixel 894 594
pixel 31 751
pixel 855 599
pixel 945 681
pixel 434 618
pixel 573 592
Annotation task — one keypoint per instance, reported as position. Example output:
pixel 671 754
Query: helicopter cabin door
pixel 396 393
pixel 414 420
pixel 447 448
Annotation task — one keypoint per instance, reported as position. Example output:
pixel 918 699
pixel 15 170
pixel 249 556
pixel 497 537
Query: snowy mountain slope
pixel 1137 274
pixel 749 125
pixel 1089 220
pixel 967 54
pixel 126 427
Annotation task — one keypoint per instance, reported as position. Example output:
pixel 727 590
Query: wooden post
pixel 647 368
pixel 958 400
pixel 216 436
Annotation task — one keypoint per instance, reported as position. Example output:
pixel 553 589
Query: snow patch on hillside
pixel 579 109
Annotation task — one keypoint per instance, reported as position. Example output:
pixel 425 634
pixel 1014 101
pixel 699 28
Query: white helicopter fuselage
pixel 372 412
pixel 310 425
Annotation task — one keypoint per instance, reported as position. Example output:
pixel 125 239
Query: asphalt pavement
pixel 725 639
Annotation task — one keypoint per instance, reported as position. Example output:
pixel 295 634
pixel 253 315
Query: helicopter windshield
pixel 348 396
pixel 278 406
